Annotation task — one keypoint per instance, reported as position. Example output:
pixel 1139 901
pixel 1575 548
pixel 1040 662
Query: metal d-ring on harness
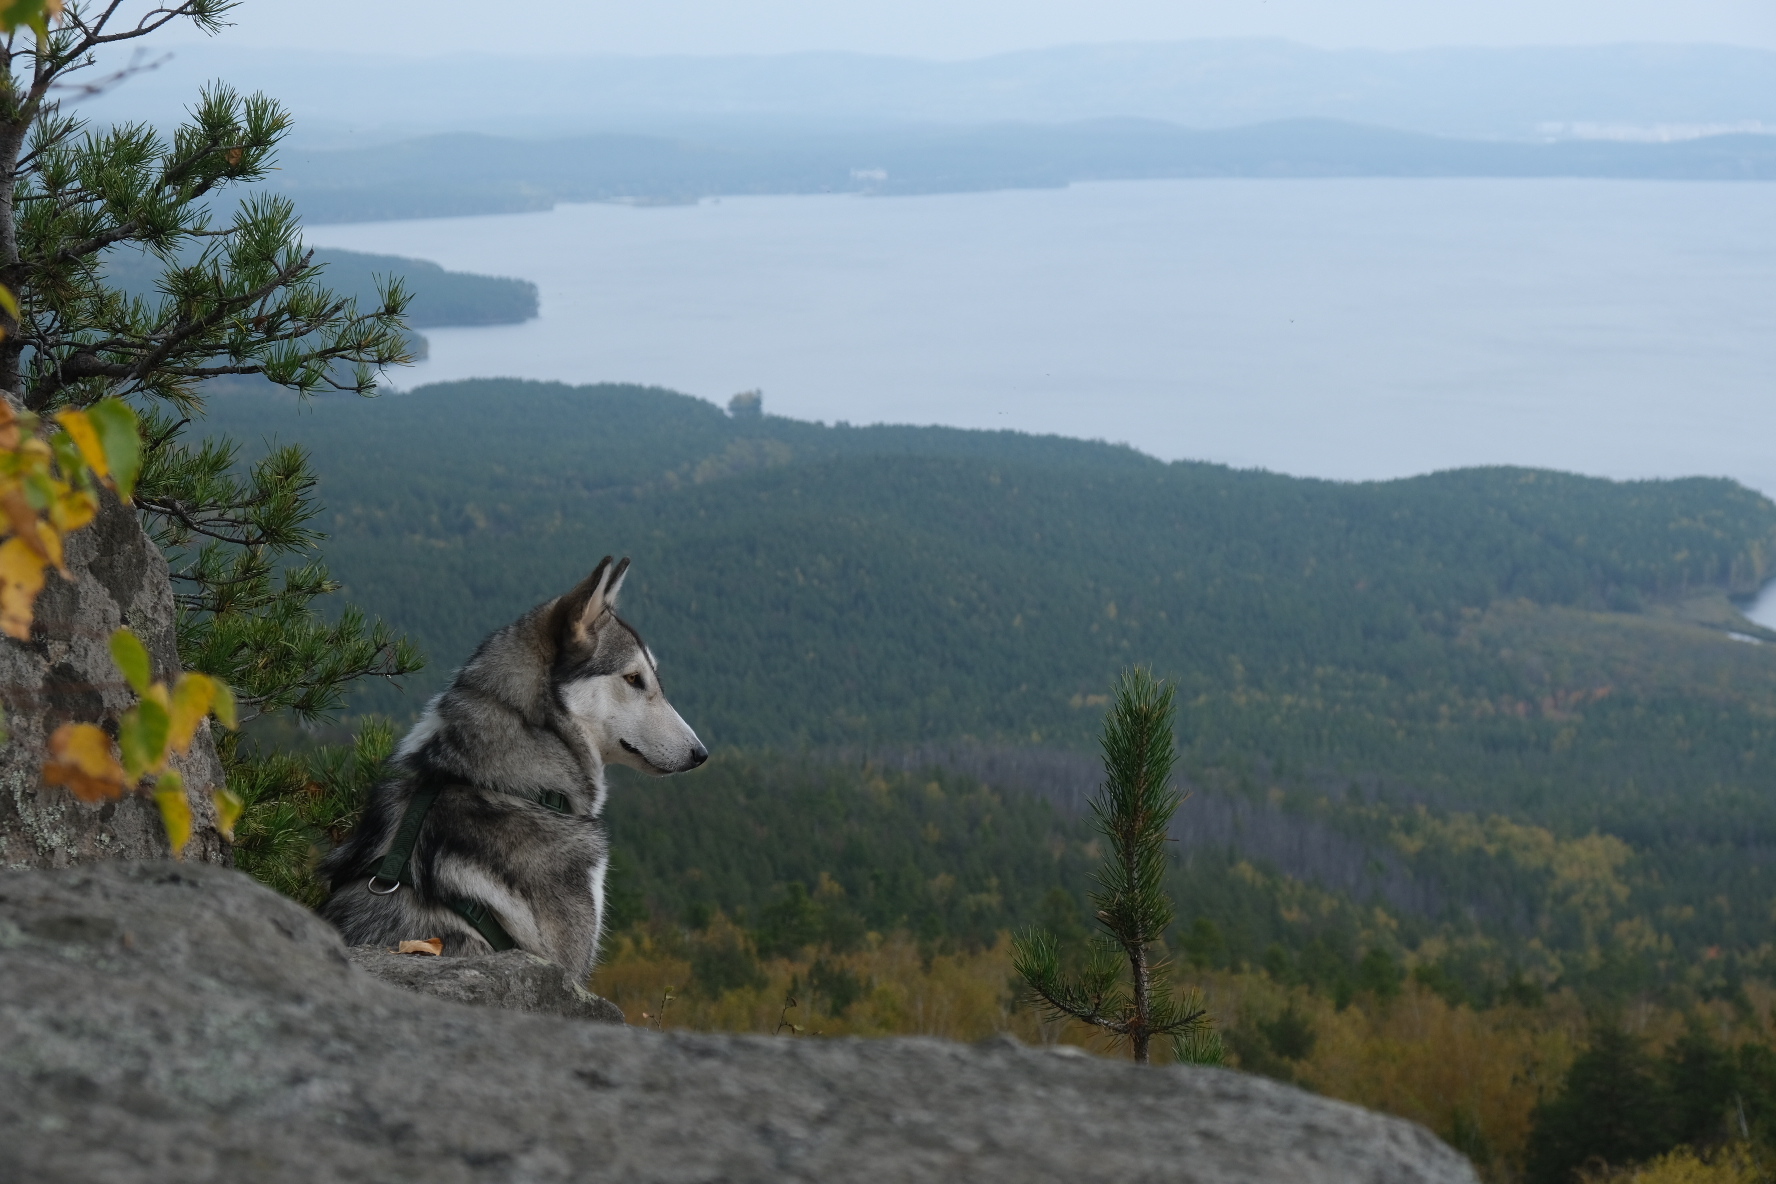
pixel 394 864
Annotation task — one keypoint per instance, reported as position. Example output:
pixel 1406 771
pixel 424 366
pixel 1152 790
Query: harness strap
pixel 553 799
pixel 394 864
pixel 485 923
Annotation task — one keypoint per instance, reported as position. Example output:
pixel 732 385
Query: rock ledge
pixel 165 1021
pixel 511 979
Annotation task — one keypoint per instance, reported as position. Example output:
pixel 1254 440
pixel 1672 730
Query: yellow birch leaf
pixel 131 657
pixel 21 518
pixel 73 509
pixel 175 811
pixel 431 945
pixel 191 702
pixel 228 811
pixel 52 547
pixel 80 758
pixel 22 564
pixel 86 438
pixel 8 301
pixel 224 704
pixel 21 578
pixel 9 422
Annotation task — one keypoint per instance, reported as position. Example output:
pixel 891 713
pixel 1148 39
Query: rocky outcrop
pixel 64 673
pixel 511 979
pixel 165 1021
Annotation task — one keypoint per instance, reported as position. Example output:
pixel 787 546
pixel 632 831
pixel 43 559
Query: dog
pixel 491 812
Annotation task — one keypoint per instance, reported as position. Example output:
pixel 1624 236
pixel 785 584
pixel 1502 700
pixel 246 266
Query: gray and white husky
pixel 511 758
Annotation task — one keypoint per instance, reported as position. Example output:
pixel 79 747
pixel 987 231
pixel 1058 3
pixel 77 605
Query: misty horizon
pixel 1647 92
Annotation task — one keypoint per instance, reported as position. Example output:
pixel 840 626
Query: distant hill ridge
pixel 1485 92
pixel 1028 567
pixel 427 178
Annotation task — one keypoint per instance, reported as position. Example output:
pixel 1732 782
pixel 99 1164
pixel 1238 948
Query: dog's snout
pixel 699 754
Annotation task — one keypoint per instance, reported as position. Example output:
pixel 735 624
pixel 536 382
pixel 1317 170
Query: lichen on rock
pixel 65 674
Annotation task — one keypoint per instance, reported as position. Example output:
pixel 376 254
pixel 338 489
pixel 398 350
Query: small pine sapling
pixel 1133 809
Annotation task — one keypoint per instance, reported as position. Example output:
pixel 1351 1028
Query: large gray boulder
pixel 510 979
pixel 176 1022
pixel 64 674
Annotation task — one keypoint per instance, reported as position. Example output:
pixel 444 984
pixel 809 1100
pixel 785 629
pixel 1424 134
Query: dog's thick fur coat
pixel 517 747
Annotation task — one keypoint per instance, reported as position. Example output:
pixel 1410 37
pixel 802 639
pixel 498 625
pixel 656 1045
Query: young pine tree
pixel 237 297
pixel 1123 988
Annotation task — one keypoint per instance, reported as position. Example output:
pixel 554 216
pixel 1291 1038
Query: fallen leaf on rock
pixel 431 945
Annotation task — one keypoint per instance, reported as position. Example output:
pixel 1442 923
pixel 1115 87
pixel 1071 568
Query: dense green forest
pixel 440 298
pixel 1515 710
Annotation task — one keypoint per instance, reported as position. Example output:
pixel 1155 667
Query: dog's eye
pixel 636 681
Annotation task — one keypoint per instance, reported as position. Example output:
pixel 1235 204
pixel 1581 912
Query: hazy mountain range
pixel 1617 91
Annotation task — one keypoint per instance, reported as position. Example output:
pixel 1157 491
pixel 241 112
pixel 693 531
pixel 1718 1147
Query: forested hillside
pixel 1490 733
pixel 1374 669
pixel 901 585
pixel 439 297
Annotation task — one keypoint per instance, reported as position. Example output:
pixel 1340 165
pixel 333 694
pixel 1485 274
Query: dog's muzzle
pixel 699 754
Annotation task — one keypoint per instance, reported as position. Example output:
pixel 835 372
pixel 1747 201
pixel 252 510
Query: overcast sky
pixel 972 28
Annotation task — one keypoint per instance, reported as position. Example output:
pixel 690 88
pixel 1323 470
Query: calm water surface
pixel 1342 328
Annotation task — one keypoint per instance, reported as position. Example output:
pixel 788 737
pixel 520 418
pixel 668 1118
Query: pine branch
pixel 1133 810
pixel 248 303
pixel 234 295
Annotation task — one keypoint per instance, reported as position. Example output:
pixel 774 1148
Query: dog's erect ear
pixel 591 599
pixel 614 585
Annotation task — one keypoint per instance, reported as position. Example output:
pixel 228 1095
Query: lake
pixel 1334 328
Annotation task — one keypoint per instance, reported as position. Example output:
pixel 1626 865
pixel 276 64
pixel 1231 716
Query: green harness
pixel 394 864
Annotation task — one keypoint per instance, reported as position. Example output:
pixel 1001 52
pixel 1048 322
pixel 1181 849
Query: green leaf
pixel 68 457
pixel 29 14
pixel 228 809
pixel 142 734
pixel 223 708
pixel 132 658
pixel 115 423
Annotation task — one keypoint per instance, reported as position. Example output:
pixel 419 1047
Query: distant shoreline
pixel 427 177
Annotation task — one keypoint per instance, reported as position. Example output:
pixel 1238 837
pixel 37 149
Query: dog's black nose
pixel 699 754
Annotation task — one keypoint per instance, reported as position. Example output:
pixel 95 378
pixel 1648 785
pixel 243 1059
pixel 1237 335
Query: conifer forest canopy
pixel 1448 695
